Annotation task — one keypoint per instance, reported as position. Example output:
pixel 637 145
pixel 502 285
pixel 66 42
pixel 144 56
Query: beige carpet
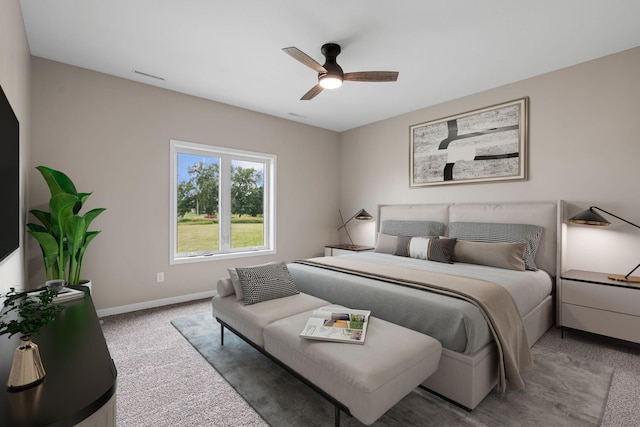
pixel 163 381
pixel 560 389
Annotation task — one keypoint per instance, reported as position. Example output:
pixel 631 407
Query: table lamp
pixel 360 215
pixel 591 217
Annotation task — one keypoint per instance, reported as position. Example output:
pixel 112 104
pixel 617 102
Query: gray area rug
pixel 561 390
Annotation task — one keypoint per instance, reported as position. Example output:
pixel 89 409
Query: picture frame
pixel 484 145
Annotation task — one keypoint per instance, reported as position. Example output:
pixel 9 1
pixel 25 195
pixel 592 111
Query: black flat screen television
pixel 9 178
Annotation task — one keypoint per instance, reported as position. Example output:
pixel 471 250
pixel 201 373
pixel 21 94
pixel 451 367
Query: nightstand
pixel 594 303
pixel 341 249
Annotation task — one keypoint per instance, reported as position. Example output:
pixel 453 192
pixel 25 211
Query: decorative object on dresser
pixel 361 215
pixel 591 217
pixel 62 232
pixel 26 315
pixel 489 144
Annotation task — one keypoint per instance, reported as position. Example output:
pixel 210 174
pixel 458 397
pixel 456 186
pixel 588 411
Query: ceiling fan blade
pixel 299 55
pixel 312 93
pixel 372 76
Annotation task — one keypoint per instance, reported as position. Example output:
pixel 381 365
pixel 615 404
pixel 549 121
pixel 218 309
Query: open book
pixel 337 324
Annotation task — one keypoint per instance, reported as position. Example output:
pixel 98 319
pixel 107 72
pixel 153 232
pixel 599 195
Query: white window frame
pixel 226 155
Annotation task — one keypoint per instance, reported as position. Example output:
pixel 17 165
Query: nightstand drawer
pixel 610 298
pixel 601 322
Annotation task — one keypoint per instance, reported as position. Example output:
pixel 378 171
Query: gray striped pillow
pixel 488 232
pixel 266 282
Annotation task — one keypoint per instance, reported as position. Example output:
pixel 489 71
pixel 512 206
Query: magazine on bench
pixel 338 325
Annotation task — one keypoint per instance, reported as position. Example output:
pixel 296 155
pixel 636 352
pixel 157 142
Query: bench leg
pixel 337 405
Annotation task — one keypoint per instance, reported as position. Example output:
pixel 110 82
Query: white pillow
pixel 235 281
pixel 225 287
pixel 419 247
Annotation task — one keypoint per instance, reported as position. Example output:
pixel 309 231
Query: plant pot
pixel 27 369
pixel 86 283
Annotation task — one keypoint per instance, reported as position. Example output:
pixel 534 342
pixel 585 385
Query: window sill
pixel 220 256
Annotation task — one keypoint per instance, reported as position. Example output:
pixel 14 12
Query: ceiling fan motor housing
pixel 330 52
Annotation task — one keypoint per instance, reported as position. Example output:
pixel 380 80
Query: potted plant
pixel 26 315
pixel 63 233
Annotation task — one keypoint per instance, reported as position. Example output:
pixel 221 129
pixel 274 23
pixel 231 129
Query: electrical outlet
pixel 160 277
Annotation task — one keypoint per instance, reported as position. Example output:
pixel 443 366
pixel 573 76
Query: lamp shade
pixel 589 217
pixel 363 215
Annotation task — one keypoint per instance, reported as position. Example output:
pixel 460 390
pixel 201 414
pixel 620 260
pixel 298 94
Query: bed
pixel 468 369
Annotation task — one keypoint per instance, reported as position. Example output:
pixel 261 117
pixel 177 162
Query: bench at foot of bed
pixel 362 380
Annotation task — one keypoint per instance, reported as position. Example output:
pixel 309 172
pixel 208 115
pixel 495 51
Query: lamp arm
pixel 344 225
pixel 629 274
pixel 616 216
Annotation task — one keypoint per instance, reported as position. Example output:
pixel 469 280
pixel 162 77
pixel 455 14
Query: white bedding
pixel 528 288
pixel 457 324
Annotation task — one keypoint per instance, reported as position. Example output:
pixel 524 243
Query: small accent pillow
pixel 507 233
pixel 441 250
pixel 266 282
pixel 225 287
pixel 386 243
pixel 419 247
pixel 402 246
pixel 501 255
pixel 235 281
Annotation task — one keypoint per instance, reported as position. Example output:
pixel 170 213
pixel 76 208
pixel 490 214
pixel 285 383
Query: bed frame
pixel 467 378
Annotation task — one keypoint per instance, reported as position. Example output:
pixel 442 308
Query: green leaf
pixel 49 246
pixel 43 217
pixel 75 228
pixel 90 235
pixel 29 314
pixel 61 206
pixel 92 214
pixel 36 227
pixel 57 181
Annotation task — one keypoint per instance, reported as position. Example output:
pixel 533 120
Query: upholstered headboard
pixel 547 214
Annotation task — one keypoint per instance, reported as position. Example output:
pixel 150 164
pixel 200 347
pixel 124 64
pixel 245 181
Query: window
pixel 222 202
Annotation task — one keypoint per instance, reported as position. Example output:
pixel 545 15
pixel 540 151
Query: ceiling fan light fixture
pixel 330 81
pixel 331 75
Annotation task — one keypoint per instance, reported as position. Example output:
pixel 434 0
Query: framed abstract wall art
pixel 489 144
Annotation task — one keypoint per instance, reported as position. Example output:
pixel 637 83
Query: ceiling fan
pixel 330 75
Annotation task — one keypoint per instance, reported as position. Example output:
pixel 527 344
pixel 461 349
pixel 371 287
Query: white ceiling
pixel 230 51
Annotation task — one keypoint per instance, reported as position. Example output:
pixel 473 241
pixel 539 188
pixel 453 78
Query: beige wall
pixel 14 79
pixel 111 136
pixel 584 147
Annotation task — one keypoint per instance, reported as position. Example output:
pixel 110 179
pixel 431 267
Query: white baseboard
pixel 152 304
